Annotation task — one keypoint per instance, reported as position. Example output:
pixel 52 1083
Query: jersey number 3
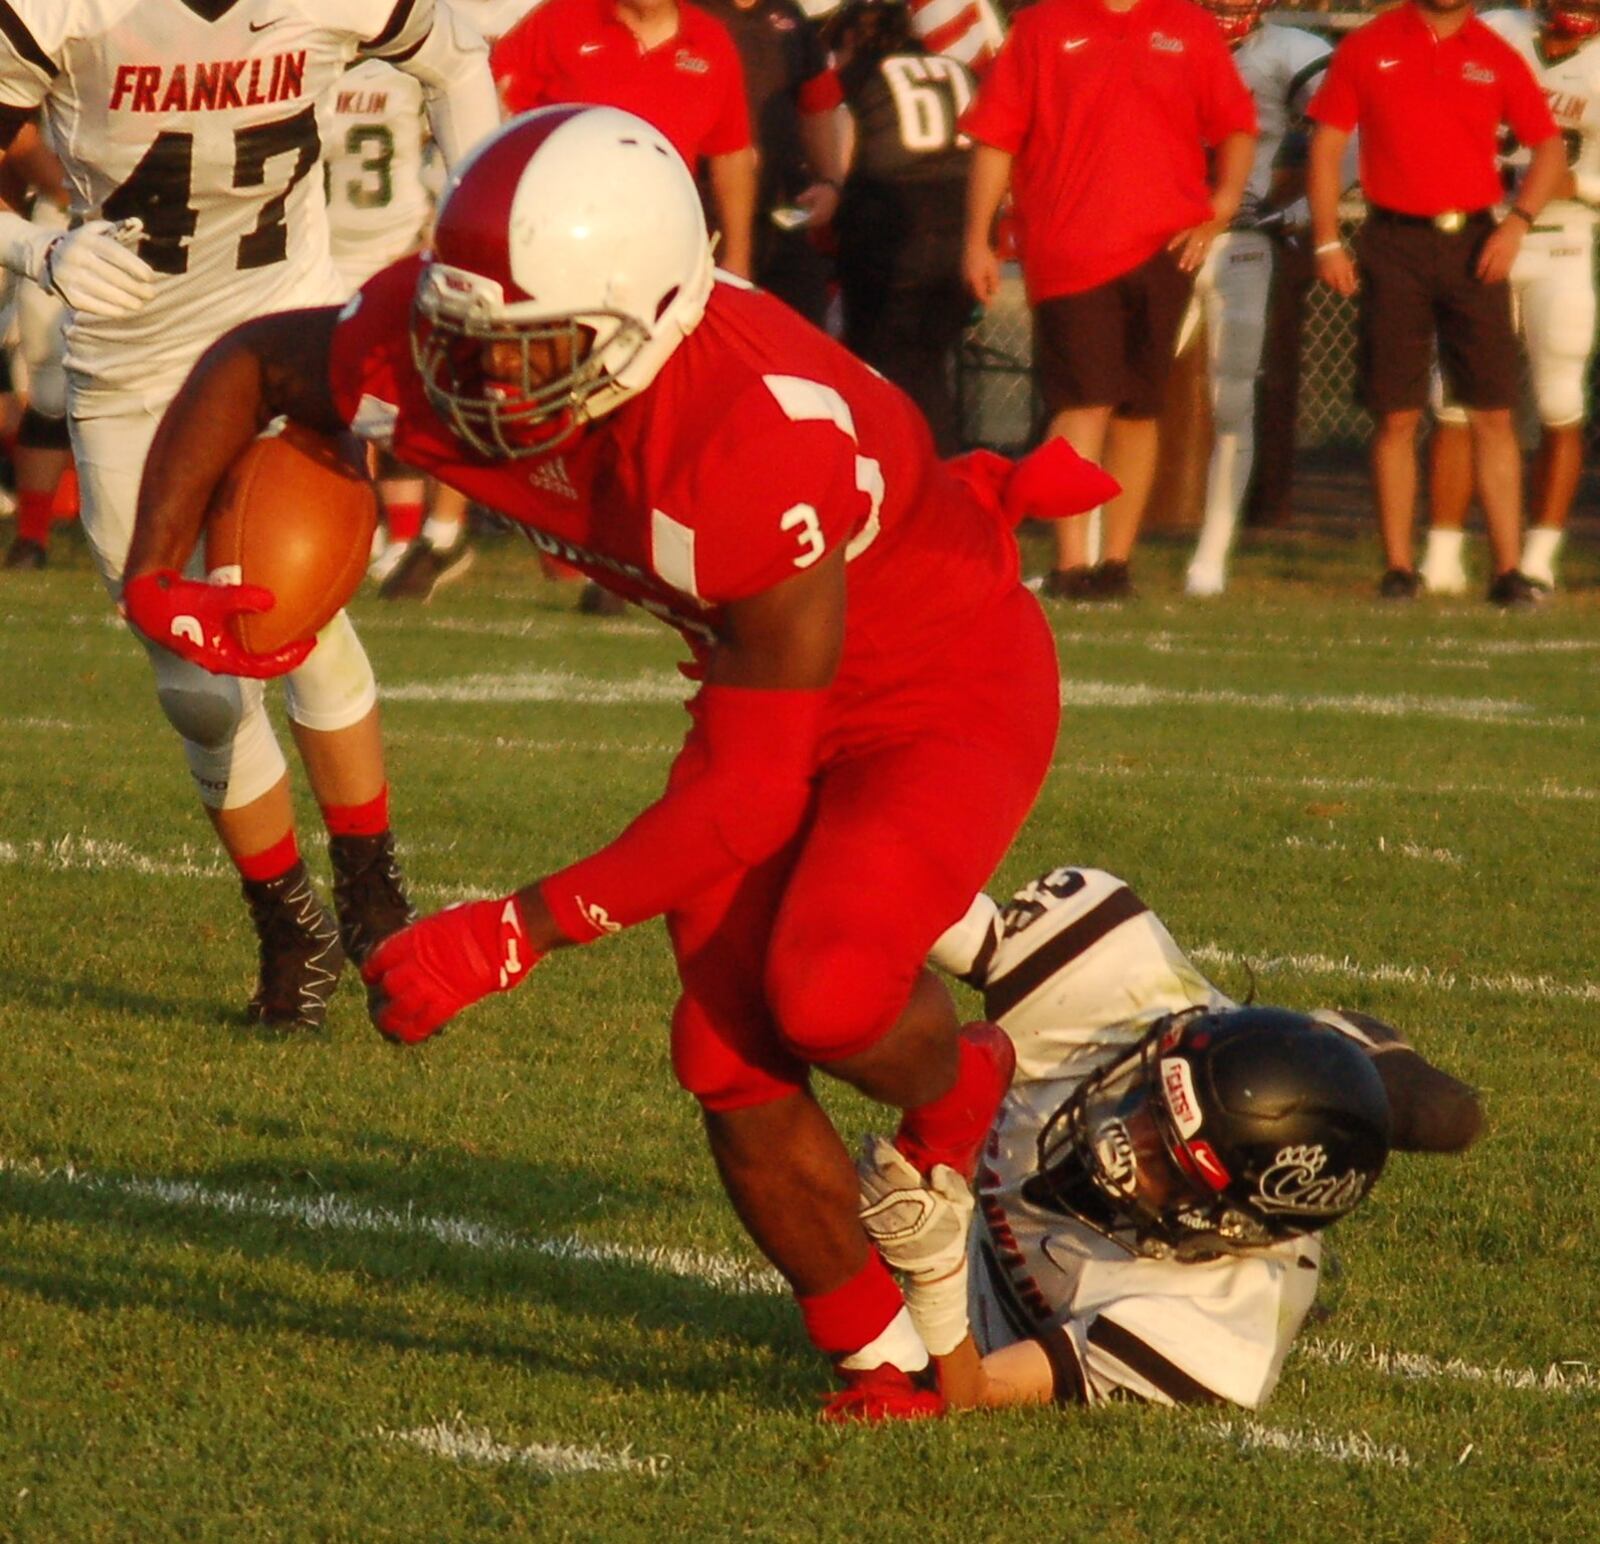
pixel 160 186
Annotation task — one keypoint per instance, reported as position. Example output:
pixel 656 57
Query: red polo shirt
pixel 1430 109
pixel 1109 117
pixel 690 87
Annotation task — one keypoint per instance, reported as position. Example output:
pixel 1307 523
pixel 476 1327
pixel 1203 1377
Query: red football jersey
pixel 761 446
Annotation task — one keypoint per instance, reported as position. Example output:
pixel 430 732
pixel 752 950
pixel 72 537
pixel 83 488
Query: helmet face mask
pixel 569 260
pixel 1219 1133
pixel 556 365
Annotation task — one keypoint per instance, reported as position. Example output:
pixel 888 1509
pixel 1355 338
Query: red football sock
pixel 272 862
pixel 404 521
pixel 855 1314
pixel 65 504
pixel 369 819
pixel 33 516
pixel 951 1128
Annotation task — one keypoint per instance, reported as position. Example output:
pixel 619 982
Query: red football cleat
pixel 881 1394
pixel 951 1130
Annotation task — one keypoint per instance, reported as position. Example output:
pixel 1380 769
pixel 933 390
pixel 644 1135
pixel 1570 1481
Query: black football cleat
pixel 1514 591
pixel 27 554
pixel 369 892
pixel 301 956
pixel 1400 584
pixel 425 569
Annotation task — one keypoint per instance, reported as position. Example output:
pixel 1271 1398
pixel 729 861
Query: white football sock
pixel 898 1344
pixel 1441 562
pixel 1540 547
pixel 442 535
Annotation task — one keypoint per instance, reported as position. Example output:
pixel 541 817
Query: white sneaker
pixel 1204 581
pixel 1444 578
pixel 387 561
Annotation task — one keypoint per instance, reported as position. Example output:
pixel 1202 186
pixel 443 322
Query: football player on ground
pixel 374 136
pixel 1553 284
pixel 869 661
pixel 1281 66
pixel 1149 1199
pixel 188 131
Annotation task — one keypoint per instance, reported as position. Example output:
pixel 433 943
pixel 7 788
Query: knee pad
pixel 836 999
pixel 335 688
pixel 232 752
pixel 722 1075
pixel 1558 388
pixel 1234 404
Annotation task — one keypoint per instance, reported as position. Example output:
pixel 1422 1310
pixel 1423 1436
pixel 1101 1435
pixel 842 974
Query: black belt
pixel 1447 220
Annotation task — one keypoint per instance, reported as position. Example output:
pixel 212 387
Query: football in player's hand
pixel 295 513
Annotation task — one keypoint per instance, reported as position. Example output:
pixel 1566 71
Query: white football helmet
pixel 575 230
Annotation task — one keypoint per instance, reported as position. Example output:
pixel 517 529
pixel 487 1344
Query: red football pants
pixel 811 956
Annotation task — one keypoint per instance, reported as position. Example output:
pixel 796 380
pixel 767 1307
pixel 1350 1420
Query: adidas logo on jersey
pixel 552 476
pixel 208 87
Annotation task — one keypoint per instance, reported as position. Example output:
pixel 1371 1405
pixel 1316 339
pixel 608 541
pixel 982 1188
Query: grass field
pixel 257 1288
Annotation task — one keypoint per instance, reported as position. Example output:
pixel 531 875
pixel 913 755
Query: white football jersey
pixel 1076 972
pixel 374 126
pixel 1282 66
pixel 199 118
pixel 1572 90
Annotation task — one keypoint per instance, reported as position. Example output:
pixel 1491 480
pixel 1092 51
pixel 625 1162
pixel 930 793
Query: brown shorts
pixel 1111 346
pixel 1418 287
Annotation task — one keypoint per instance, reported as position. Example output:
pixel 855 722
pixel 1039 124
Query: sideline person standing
pixel 1100 114
pixel 1430 87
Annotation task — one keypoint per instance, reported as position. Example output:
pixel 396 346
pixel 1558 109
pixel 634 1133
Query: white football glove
pixel 920 1228
pixel 92 268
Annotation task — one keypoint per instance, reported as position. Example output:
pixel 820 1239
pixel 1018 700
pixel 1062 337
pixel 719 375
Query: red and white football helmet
pixel 1572 18
pixel 573 232
pixel 1237 18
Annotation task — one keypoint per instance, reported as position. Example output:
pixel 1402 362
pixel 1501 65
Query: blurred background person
pixel 672 63
pixel 793 98
pixel 1100 116
pixel 1281 66
pixel 1553 288
pixel 46 489
pixel 1430 87
pixel 382 178
pixel 900 222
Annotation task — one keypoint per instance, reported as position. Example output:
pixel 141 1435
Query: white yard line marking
pixel 1478 710
pixel 47 724
pixel 1549 789
pixel 542 625
pixel 541 686
pixel 87 853
pixel 1287 645
pixel 328 1213
pixel 456 1440
pixel 92 854
pixel 1353 1448
pixel 1513 984
pixel 1398 849
pixel 502 742
pixel 1558 1378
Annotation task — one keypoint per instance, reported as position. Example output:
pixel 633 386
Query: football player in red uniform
pixel 878 697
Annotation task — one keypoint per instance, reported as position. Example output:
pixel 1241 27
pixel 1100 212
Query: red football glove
pixel 427 973
pixel 191 618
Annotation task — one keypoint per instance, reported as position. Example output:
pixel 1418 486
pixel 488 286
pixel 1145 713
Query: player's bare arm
pixel 1335 267
pixel 272 366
